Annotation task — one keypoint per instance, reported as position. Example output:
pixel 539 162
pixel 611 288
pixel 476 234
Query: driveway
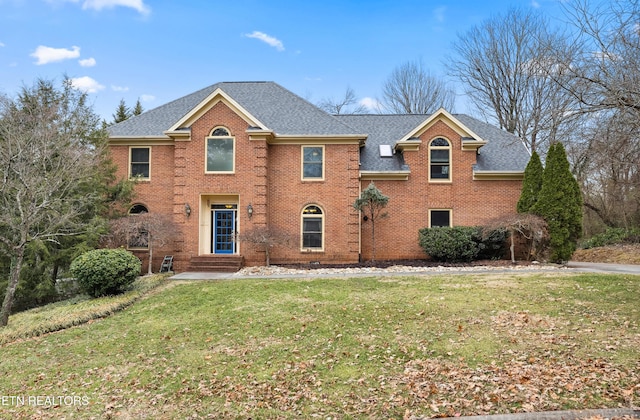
pixel 604 268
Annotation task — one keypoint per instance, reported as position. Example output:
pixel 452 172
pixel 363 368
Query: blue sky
pixel 160 50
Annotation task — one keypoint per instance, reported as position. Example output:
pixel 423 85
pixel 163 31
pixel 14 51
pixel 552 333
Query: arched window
pixel 439 159
pixel 312 228
pixel 137 233
pixel 220 151
pixel 138 209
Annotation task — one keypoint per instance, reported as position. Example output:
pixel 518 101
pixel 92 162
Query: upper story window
pixel 313 163
pixel 140 162
pixel 220 151
pixel 312 228
pixel 439 160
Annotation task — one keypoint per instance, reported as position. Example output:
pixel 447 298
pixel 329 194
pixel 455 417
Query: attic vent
pixel 385 150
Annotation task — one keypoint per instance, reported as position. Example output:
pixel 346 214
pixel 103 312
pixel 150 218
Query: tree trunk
pixel 11 287
pixel 373 238
pixel 512 248
pixel 150 270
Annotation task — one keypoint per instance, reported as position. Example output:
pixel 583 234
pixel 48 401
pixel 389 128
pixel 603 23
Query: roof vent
pixel 386 150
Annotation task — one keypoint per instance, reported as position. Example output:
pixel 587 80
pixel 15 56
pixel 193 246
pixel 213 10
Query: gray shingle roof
pixel 287 114
pixel 279 109
pixel 503 151
pixel 382 129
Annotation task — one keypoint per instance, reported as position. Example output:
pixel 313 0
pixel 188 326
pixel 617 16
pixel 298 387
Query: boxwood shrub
pixel 450 244
pixel 463 243
pixel 103 272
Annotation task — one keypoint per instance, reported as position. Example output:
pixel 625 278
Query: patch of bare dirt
pixel 614 254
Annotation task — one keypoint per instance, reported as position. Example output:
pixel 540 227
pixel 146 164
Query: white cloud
pixel 371 104
pixel 109 4
pixel 535 4
pixel 86 84
pixel 147 98
pixel 46 55
pixel 87 62
pixel 438 13
pixel 2 44
pixel 274 42
pixel 119 88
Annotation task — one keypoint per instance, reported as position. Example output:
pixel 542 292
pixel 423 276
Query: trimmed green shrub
pixel 450 244
pixel 103 272
pixel 492 243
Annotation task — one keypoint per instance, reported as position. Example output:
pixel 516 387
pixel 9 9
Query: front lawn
pixel 387 347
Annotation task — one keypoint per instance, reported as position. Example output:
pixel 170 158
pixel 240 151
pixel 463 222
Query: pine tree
pixel 560 204
pixel 531 184
pixel 137 110
pixel 122 112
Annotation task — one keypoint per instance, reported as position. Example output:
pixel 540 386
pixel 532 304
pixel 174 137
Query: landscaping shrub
pixel 612 236
pixel 103 272
pixel 492 243
pixel 450 244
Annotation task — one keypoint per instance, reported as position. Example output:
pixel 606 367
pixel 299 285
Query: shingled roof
pixel 287 114
pixel 279 109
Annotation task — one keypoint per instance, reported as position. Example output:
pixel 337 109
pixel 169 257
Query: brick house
pixel 237 156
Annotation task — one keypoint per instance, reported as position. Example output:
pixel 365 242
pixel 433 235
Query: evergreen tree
pixel 137 110
pixel 371 203
pixel 531 184
pixel 122 112
pixel 560 204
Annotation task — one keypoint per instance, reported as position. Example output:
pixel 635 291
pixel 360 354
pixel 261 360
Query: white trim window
pixel 313 163
pixel 220 151
pixel 312 228
pixel 140 162
pixel 440 218
pixel 439 160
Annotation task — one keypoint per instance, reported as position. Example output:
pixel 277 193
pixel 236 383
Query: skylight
pixel 386 150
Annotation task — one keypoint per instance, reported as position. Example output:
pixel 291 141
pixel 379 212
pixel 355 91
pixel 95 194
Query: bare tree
pixel 532 229
pixel 603 76
pixel 605 55
pixel 411 89
pixel 346 105
pixel 266 238
pixel 145 230
pixel 50 152
pixel 504 64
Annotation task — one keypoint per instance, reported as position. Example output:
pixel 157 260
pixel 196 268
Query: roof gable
pixel 448 119
pixel 265 105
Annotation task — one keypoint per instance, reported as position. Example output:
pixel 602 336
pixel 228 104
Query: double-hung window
pixel 312 228
pixel 313 163
pixel 220 151
pixel 140 162
pixel 440 160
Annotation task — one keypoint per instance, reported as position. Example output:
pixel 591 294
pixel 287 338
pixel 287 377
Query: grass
pixel 60 315
pixel 389 347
